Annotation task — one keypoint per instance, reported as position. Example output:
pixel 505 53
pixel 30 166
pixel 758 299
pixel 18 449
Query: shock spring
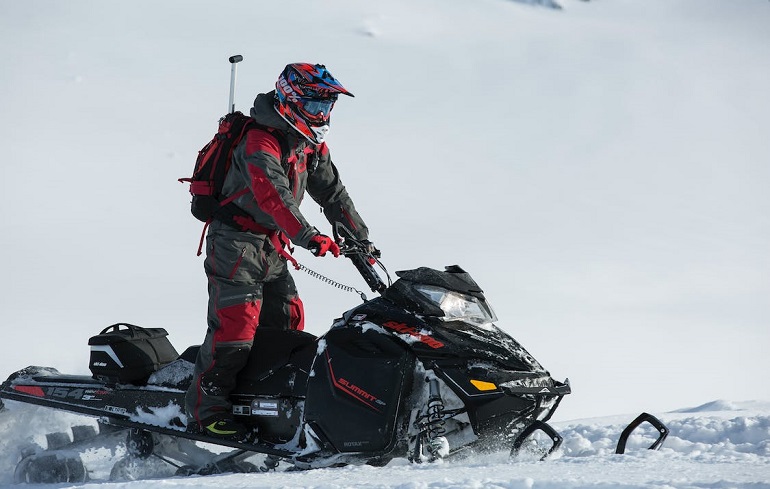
pixel 435 415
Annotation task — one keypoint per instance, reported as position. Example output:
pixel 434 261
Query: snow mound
pixel 745 438
pixel 553 4
pixel 718 405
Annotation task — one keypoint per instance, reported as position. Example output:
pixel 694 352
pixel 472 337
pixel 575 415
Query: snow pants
pixel 249 286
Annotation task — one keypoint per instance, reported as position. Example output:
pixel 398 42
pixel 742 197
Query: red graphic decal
pixel 411 331
pixel 357 390
pixel 352 390
pixel 29 389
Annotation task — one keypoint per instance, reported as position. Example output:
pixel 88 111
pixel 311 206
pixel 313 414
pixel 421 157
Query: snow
pixel 600 170
pixel 159 416
pixel 724 448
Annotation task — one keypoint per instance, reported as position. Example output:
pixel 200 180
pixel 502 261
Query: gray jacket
pixel 270 185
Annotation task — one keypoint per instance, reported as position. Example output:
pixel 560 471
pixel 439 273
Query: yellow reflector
pixel 483 386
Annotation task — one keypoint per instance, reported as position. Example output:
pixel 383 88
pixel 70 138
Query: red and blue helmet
pixel 304 96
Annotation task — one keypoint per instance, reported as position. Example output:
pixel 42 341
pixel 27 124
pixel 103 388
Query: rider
pixel 248 279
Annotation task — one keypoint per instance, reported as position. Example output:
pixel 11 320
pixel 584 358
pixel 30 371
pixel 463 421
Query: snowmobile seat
pixel 275 356
pixel 274 346
pixel 278 363
pixel 190 354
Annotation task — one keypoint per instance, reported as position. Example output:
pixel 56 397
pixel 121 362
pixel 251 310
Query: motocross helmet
pixel 304 97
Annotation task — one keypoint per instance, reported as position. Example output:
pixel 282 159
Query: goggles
pixel 314 106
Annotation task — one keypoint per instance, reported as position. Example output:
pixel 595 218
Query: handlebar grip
pixel 367 272
pixel 236 59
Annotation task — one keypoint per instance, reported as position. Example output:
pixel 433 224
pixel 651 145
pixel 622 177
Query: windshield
pixel 460 307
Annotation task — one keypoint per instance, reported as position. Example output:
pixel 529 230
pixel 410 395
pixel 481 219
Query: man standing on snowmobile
pixel 248 279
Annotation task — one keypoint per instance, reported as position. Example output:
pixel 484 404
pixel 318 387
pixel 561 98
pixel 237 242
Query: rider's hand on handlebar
pixel 320 244
pixel 370 248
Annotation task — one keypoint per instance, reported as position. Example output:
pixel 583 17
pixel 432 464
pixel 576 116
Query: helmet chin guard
pixel 321 132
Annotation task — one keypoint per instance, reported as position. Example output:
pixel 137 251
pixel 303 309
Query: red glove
pixel 320 244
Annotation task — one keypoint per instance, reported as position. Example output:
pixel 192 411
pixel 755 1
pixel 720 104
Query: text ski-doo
pixel 420 372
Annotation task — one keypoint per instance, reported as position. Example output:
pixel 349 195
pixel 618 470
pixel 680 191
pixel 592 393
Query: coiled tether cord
pixel 278 246
pixel 341 286
pixel 332 282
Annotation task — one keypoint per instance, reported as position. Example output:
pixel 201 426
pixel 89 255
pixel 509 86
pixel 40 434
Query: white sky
pixel 601 171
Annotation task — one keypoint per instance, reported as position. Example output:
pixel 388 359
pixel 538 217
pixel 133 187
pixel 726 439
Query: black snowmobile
pixel 419 372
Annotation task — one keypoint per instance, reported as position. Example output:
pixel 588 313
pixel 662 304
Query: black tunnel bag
pixel 125 353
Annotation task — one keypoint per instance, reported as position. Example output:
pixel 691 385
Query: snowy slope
pixel 720 445
pixel 600 170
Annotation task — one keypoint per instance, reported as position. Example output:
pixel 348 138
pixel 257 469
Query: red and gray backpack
pixel 211 168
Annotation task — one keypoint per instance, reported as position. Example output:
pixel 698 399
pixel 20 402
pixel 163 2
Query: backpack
pixel 212 165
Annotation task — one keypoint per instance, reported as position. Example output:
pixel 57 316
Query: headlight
pixel 457 306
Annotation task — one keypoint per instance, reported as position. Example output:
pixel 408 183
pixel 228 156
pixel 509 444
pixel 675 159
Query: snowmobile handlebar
pixel 360 253
pixel 364 262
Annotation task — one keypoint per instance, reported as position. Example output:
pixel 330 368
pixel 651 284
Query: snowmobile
pixel 421 372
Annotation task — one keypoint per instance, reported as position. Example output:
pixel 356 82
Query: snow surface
pixel 600 170
pixel 720 445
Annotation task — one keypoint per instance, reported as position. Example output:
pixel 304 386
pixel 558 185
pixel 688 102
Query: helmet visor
pixel 314 106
